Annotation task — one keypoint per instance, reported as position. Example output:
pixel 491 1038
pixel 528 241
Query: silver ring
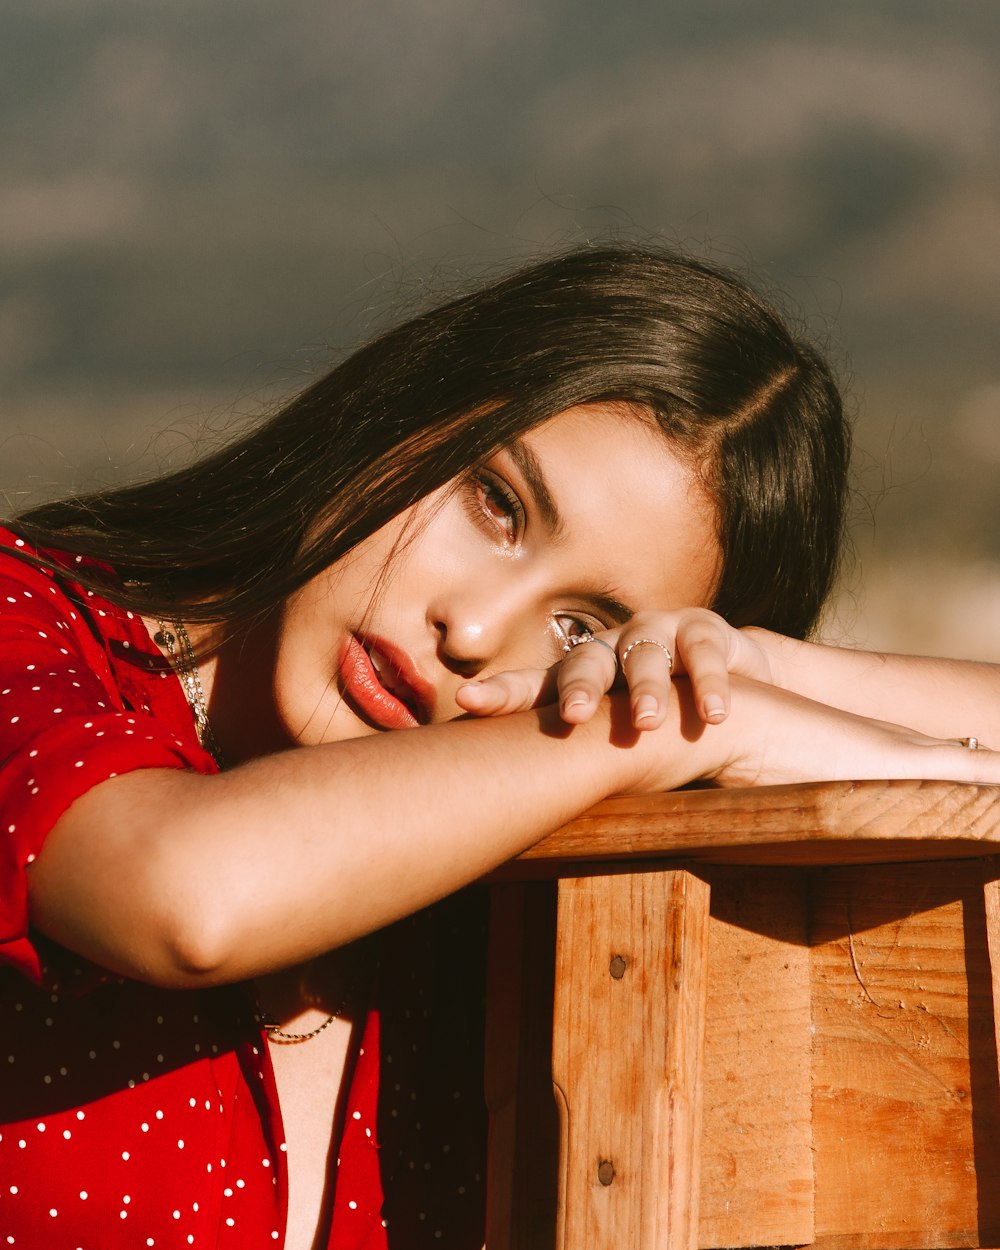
pixel 578 640
pixel 972 743
pixel 652 642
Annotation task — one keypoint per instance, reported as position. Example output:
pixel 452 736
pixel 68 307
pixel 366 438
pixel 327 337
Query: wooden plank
pixel 810 823
pixel 905 1004
pixel 757 1162
pixel 985 1128
pixel 503 1020
pixel 991 908
pixel 522 1165
pixel 627 1058
pixel 905 1089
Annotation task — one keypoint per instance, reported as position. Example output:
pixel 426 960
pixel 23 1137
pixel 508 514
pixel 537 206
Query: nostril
pixel 460 667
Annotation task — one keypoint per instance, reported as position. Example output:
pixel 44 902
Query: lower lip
pixel 362 686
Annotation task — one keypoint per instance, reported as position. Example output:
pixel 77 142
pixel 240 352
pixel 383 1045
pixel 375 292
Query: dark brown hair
pixel 233 534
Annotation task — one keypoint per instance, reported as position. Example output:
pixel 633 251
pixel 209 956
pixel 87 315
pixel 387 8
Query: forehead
pixel 630 505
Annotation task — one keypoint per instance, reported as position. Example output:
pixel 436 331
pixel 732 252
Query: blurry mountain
pixel 201 205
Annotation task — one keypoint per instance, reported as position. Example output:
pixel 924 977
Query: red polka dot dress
pixel 132 1116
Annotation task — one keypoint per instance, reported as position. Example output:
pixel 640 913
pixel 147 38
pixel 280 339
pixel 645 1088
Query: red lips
pixel 383 684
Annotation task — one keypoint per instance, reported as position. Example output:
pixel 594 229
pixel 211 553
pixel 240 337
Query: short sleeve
pixel 64 727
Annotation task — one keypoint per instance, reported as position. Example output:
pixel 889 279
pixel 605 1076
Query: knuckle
pixel 704 646
pixel 702 634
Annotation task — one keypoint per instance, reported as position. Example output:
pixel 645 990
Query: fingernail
pixel 645 708
pixel 575 699
pixel 715 709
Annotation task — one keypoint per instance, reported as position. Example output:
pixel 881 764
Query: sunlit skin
pixel 589 518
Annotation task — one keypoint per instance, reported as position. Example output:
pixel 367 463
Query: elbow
pixel 129 880
pixel 197 947
pixel 186 937
pixel 163 938
pixel 188 956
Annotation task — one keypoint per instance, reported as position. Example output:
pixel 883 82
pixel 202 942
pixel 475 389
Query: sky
pixel 202 204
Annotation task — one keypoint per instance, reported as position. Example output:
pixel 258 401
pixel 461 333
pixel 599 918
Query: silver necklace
pixel 185 665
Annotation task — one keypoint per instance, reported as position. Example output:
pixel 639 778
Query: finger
pixel 704 656
pixel 584 677
pixel 646 664
pixel 514 691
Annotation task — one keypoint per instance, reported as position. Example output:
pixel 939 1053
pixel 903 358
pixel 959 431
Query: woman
pixel 500 506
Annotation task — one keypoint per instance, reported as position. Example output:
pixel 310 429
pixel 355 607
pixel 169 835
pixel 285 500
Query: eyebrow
pixel 533 474
pixel 531 471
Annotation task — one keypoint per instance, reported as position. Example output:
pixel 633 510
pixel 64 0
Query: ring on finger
pixel 579 640
pixel 646 642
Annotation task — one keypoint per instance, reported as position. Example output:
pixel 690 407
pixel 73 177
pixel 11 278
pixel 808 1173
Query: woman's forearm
pixel 941 698
pixel 183 879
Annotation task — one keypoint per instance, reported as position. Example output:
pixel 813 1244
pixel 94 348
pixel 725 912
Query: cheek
pixel 708 570
pixel 300 630
pixel 307 700
pixel 306 653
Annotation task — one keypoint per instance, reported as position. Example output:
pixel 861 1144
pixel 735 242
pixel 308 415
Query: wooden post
pixel 851 1036
pixel 627 1056
pixel 523 1147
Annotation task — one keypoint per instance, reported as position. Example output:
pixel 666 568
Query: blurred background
pixel 203 203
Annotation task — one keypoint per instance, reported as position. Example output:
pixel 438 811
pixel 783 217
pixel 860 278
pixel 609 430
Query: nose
pixel 463 649
pixel 488 622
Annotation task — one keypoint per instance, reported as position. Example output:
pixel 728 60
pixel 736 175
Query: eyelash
pixel 585 626
pixel 487 489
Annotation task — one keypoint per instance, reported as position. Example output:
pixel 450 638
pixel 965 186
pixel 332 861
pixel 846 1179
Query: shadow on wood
pixel 850 1086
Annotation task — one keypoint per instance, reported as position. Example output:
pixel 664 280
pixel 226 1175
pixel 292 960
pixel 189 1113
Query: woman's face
pixel 581 522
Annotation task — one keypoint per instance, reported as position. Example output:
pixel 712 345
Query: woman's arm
pixel 943 698
pixel 181 879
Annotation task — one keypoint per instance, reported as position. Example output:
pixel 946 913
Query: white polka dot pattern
pixel 140 1117
pixel 70 716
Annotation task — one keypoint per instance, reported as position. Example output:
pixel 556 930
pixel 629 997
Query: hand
pixel 700 644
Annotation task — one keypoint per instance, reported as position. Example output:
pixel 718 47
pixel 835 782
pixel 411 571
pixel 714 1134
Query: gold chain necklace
pixel 274 1031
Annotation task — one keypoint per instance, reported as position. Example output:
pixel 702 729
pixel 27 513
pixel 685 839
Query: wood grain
pixel 756 1144
pixel 811 823
pixel 906 1114
pixel 627 1059
pixel 850 995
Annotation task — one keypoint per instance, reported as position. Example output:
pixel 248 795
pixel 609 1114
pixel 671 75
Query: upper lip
pixel 400 676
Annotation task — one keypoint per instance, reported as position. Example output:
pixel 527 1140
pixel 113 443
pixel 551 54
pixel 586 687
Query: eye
pixel 499 504
pixel 570 627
